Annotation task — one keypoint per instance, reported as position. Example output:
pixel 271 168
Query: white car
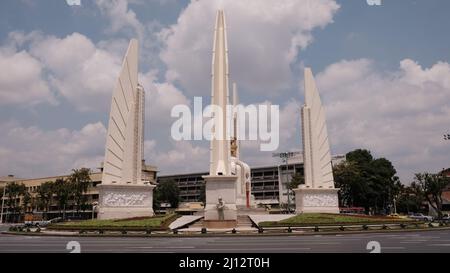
pixel 42 223
pixel 421 217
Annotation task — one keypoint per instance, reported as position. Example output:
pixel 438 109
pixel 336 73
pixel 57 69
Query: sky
pixel 383 73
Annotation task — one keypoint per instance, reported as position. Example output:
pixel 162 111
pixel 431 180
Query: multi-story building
pixel 269 184
pixel 92 194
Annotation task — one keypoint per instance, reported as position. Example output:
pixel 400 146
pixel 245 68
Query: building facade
pixel 32 187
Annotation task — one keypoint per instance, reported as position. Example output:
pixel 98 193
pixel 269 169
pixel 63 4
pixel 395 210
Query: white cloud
pixel 160 98
pixel 181 157
pixel 264 38
pixel 21 80
pixel 33 152
pixel 79 70
pixel 400 115
pixel 120 16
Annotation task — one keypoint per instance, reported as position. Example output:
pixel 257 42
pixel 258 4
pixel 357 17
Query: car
pixel 446 218
pixel 421 217
pixel 43 223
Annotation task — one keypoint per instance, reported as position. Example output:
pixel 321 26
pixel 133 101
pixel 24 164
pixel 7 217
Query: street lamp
pixel 285 159
pixel 3 203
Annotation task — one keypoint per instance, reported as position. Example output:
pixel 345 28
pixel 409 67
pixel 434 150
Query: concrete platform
pixel 184 220
pixel 269 217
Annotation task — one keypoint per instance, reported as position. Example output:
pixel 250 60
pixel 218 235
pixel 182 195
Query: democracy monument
pixel 124 193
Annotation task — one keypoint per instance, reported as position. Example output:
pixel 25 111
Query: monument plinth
pixel 220 187
pixel 316 200
pixel 125 201
pixel 318 194
pixel 123 193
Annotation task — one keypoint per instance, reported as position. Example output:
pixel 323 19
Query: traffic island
pixel 155 223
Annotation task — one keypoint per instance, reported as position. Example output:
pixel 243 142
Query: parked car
pixel 421 217
pixel 42 223
pixel 446 218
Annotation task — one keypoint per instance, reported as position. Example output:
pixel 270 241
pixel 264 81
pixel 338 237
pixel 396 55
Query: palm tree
pixel 15 191
pixel 45 194
pixel 80 179
pixel 62 190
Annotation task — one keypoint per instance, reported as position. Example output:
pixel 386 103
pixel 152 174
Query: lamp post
pixel 3 203
pixel 285 159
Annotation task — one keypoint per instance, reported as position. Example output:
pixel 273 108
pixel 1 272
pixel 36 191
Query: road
pixel 427 241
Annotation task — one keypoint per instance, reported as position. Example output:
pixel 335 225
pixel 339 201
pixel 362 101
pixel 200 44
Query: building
pixel 268 186
pixel 33 185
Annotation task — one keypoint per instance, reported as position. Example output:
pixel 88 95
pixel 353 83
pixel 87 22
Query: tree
pixel 432 186
pixel 27 200
pixel 367 182
pixel 79 180
pixel 410 199
pixel 14 193
pixel 296 180
pixel 167 191
pixel 63 191
pixel 45 194
pixel 202 197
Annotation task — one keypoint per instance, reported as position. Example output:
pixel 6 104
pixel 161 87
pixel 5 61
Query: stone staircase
pixel 242 210
pixel 197 224
pixel 243 221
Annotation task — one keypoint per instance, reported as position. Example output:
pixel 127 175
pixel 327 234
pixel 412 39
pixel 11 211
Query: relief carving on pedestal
pixel 320 200
pixel 123 199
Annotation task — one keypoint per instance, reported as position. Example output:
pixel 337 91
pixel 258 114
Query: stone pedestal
pixel 309 200
pixel 125 201
pixel 221 186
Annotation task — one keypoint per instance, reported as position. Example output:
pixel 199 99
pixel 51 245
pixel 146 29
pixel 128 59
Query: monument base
pixel 316 200
pixel 125 201
pixel 222 186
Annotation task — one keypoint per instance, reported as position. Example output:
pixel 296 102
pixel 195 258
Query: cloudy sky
pixel 383 73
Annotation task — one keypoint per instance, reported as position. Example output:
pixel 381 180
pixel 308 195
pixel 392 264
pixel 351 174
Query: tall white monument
pixel 220 183
pixel 318 194
pixel 123 193
pixel 239 168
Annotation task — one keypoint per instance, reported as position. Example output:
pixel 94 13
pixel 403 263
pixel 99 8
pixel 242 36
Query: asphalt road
pixel 422 242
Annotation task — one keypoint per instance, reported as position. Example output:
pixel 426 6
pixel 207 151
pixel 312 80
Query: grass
pixel 311 219
pixel 155 222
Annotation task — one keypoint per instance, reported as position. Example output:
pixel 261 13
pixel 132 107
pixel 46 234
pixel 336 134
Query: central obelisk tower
pixel 220 209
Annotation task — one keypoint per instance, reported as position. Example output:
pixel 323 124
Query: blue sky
pixel 382 71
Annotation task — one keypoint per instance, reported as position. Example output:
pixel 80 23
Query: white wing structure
pixel 122 193
pixel 316 147
pixel 124 143
pixel 318 194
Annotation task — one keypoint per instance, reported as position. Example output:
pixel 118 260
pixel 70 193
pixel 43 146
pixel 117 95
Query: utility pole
pixel 285 159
